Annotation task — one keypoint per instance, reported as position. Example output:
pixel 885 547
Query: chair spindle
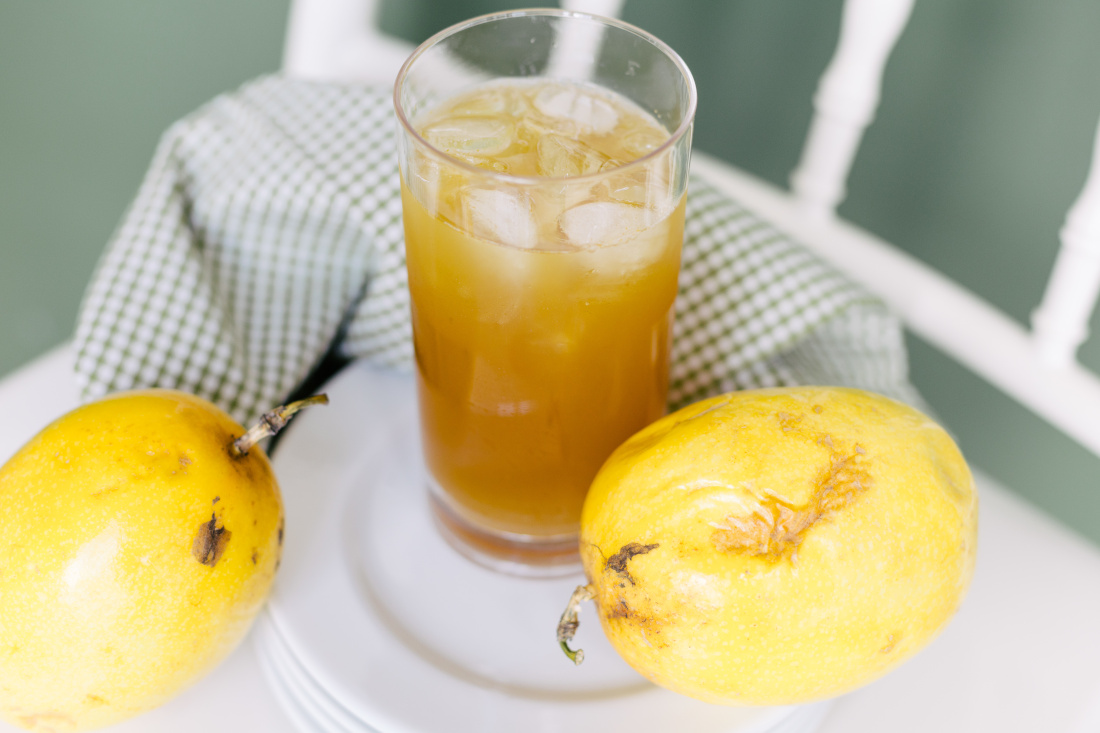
pixel 1060 323
pixel 846 99
pixel 606 8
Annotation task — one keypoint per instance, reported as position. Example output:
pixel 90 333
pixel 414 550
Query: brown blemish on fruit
pixel 621 600
pixel 891 643
pixel 617 562
pixel 775 528
pixel 210 541
pixel 244 464
pixel 618 610
pixel 788 422
pixel 105 490
pixel 280 533
pixel 255 556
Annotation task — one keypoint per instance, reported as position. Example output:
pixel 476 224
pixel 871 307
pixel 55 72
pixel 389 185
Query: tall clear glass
pixel 542 268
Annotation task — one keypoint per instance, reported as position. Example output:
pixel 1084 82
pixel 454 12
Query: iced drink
pixel 543 228
pixel 541 334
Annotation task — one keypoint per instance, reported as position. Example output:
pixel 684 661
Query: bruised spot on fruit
pixel 617 562
pixel 774 529
pixel 210 542
pixel 280 532
pixel 255 556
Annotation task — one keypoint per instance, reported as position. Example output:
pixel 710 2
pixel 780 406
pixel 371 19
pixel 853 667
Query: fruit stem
pixel 272 422
pixel 568 624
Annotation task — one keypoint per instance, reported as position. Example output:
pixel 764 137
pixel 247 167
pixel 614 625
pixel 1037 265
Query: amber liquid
pixel 535 361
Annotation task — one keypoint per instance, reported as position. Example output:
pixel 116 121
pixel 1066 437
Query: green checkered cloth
pixel 267 234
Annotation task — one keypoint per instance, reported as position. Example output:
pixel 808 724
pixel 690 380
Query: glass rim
pixel 674 137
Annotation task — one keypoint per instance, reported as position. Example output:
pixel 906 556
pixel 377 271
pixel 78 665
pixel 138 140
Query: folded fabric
pixel 267 234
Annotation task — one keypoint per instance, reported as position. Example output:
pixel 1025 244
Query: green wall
pixel 86 88
pixel 980 146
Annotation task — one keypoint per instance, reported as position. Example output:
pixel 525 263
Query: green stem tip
pixel 569 622
pixel 272 422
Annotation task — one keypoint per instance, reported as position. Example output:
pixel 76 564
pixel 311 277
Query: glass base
pixel 519 555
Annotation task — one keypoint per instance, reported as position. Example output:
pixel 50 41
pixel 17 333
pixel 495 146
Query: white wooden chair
pixel 338 39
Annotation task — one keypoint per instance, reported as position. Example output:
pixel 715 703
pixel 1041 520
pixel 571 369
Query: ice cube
pixel 638 185
pixel 464 136
pixel 501 216
pixel 627 190
pixel 645 185
pixel 483 102
pixel 489 164
pixel 602 223
pixel 560 157
pixel 643 141
pixel 587 111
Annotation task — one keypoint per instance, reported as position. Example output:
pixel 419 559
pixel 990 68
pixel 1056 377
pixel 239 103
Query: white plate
pixel 375 612
pixel 304 719
pixel 307 700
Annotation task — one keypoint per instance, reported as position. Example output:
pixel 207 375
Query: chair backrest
pixel 1038 368
pixel 339 40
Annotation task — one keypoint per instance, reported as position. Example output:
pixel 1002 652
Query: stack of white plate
pixel 377 626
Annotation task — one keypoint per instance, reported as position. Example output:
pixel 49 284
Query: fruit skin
pixel 106 608
pixel 779 546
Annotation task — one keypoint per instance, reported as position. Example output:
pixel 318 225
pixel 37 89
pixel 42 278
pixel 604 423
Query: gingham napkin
pixel 267 234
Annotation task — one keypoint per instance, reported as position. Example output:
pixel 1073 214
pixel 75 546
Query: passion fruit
pixel 138 539
pixel 778 546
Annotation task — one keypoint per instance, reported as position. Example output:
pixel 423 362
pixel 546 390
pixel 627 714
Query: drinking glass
pixel 541 299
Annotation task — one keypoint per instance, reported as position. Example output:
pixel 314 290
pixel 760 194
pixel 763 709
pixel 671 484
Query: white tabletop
pixel 1023 654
